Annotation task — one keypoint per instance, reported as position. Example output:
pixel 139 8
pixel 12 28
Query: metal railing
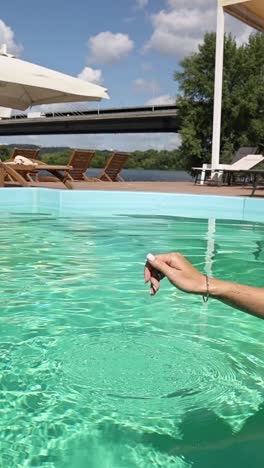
pixel 98 111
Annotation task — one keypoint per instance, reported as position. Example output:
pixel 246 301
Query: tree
pixel 243 99
pixel 4 152
pixel 58 157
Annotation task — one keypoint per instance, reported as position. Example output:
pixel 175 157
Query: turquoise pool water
pixel 96 373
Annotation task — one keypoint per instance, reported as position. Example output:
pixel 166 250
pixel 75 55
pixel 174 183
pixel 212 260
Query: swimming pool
pixel 94 371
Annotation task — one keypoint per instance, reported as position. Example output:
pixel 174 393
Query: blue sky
pixel 131 47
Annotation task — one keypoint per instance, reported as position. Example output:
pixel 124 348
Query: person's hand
pixel 179 271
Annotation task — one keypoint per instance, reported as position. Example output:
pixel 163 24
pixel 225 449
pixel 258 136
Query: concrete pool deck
pixel 162 187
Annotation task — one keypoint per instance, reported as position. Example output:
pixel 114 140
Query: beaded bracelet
pixel 206 295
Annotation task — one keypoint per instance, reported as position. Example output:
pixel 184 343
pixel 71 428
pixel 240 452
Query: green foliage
pixel 4 152
pixel 59 157
pixel 150 159
pixel 100 158
pixel 243 99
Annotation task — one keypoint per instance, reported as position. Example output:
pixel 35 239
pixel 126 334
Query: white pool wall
pixel 112 203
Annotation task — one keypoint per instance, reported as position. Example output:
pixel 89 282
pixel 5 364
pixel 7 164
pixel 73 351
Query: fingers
pixel 166 258
pixel 154 276
pixel 179 271
pixel 155 279
pixel 161 263
pixel 147 273
pixel 155 285
pixel 155 270
pixel 150 272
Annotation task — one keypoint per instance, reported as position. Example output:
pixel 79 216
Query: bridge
pixel 144 119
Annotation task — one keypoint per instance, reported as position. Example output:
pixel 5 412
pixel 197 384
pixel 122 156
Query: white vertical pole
pixel 219 63
pixel 203 174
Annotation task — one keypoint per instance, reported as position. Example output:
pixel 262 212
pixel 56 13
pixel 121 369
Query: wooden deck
pixel 167 187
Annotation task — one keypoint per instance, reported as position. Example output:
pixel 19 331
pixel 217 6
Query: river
pixel 147 175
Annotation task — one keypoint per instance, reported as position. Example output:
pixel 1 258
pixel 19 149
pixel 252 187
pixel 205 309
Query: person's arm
pixel 182 274
pixel 246 298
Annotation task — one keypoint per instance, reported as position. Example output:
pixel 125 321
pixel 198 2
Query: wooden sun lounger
pixel 60 172
pixel 29 153
pixel 80 160
pixel 12 174
pixel 18 173
pixel 113 167
pixel 27 175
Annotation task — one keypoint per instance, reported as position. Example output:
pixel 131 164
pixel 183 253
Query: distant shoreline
pixel 137 175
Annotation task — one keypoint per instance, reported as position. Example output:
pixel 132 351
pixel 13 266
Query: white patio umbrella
pixel 24 84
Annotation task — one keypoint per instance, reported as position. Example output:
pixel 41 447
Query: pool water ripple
pixel 147 367
pixel 95 371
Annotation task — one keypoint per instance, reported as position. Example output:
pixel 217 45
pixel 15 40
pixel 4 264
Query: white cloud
pixel 144 142
pixel 91 75
pixel 238 29
pixel 7 37
pixel 141 3
pixel 107 47
pixel 21 140
pixel 159 100
pixel 201 4
pixel 142 85
pixel 179 29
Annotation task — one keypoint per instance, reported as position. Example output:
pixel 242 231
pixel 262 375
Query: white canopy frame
pixel 250 12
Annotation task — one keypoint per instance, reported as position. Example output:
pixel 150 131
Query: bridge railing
pixel 98 111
